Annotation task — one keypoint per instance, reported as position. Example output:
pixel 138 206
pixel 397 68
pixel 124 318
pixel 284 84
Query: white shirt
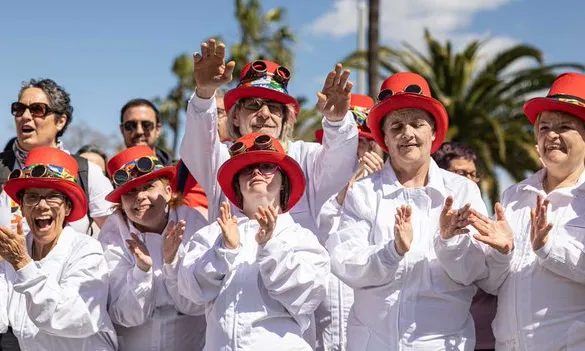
pixel 327 167
pixel 258 297
pixel 419 301
pixel 146 308
pixel 59 302
pixel 541 304
pixel 99 186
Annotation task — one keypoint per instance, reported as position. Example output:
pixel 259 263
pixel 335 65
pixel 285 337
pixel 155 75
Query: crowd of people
pixel 374 236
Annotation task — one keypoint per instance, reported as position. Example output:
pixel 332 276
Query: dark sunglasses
pixel 386 93
pixel 135 169
pixel 131 126
pixel 262 142
pixel 36 109
pixel 265 168
pixel 255 104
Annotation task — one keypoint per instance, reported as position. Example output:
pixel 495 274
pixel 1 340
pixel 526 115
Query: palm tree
pixel 172 106
pixel 261 35
pixel 484 103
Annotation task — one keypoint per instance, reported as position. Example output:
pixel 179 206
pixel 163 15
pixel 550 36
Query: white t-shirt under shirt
pixel 98 187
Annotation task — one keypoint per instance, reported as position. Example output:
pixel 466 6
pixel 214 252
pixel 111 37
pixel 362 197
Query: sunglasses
pixel 262 142
pixel 386 93
pixel 266 169
pixel 259 69
pixel 255 104
pixel 131 126
pixel 36 109
pixel 42 171
pixel 135 169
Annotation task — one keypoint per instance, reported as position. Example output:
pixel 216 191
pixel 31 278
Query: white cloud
pixel 405 21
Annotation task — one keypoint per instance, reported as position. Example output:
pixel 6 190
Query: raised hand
pixel 229 227
pixel 140 252
pixel 267 220
pixel 334 99
pixel 172 240
pixel 496 234
pixel 452 221
pixel 403 229
pixel 13 247
pixel 210 69
pixel 539 226
pixel 370 163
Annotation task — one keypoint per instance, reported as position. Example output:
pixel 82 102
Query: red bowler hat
pixel 360 106
pixel 255 148
pixel 133 167
pixel 47 167
pixel 262 79
pixel 567 94
pixel 407 90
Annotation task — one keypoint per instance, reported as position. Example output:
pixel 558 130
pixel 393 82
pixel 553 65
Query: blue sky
pixel 107 52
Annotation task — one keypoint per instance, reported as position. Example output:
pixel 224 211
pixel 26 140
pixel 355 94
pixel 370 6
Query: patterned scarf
pixel 21 153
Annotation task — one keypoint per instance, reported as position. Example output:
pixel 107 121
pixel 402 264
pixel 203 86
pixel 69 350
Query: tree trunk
pixel 373 47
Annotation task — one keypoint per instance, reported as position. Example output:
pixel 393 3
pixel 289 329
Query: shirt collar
pixel 390 183
pixel 534 184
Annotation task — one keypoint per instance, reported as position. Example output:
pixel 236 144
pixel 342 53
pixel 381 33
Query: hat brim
pixel 540 104
pixel 233 95
pixel 231 167
pixel 115 195
pixel 72 190
pixel 408 100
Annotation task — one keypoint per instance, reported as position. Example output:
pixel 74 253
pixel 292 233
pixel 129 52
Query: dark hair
pixel 9 144
pixel 93 149
pixel 284 191
pixel 136 103
pixel 59 99
pixel 453 151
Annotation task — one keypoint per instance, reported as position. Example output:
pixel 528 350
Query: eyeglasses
pixel 386 93
pixel 473 175
pixel 131 126
pixel 36 109
pixel 255 104
pixel 135 169
pixel 258 69
pixel 262 142
pixel 266 169
pixel 53 200
pixel 42 171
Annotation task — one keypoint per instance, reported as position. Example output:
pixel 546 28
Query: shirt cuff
pixel 338 123
pixel 545 250
pixel 26 273
pixel 453 241
pixel 201 105
pixel 141 276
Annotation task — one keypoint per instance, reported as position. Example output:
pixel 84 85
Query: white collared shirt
pixel 146 308
pixel 258 297
pixel 541 303
pixel 419 301
pixel 59 302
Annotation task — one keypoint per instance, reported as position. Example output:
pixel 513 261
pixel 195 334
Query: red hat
pixel 133 167
pixel 567 94
pixel 48 167
pixel 360 106
pixel 257 148
pixel 262 79
pixel 407 90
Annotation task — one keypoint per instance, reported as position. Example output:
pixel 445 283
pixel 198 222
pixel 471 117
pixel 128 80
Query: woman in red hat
pixel 398 232
pixel 140 242
pixel 261 103
pixel 260 274
pixel 331 316
pixel 55 278
pixel 541 283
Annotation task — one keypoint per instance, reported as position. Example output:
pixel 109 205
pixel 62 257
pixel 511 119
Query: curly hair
pixel 453 151
pixel 59 100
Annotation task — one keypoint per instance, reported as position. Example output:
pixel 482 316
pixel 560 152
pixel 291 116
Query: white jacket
pixel 419 301
pixel 327 167
pixel 541 304
pixel 259 297
pixel 146 308
pixel 59 302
